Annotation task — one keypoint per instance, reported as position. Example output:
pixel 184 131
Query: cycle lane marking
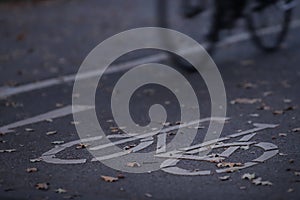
pixel 50 157
pixel 7 91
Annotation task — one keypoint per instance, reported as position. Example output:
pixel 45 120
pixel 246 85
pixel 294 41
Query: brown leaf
pixel 148 195
pixel 264 107
pixel 42 186
pixel 51 132
pixel 247 85
pixel 82 146
pixel 245 101
pixel 282 134
pixel 7 150
pixel 133 164
pixel 290 190
pixel 248 176
pixel 229 164
pixel 36 160
pixel 60 191
pixel 268 93
pixel 31 169
pixel 109 178
pixel 120 176
pixel 224 178
pixel 296 129
pixel 57 142
pixel 278 112
pixel 297 173
pixel 290 108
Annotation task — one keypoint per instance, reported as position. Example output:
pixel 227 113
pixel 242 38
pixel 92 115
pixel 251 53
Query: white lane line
pixel 49 115
pixel 6 91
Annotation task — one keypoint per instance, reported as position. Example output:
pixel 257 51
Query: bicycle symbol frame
pixel 172 158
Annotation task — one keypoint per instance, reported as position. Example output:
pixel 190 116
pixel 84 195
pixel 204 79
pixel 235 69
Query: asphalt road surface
pixel 42 47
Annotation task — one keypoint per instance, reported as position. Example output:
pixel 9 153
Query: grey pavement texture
pixel 49 39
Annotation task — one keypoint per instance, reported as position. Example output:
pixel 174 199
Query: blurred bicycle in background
pixel 266 20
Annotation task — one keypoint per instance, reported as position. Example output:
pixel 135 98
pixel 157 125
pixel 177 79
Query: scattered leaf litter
pixel 259 181
pixel 256 180
pixel 229 164
pixel 7 150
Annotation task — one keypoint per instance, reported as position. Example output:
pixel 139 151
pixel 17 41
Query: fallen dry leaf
pixel 36 160
pixel 129 146
pixel 229 164
pixel 248 176
pixel 109 178
pixel 268 93
pixel 57 142
pixel 224 178
pixel 148 195
pixel 243 187
pixel 296 129
pixel 290 190
pixel 133 164
pixel 297 173
pixel 60 191
pixel 42 186
pixel 264 107
pixel 31 169
pixel 49 120
pixel 247 85
pixel 51 132
pixel 289 108
pixel 120 176
pixel 82 146
pixel 282 134
pixel 74 122
pixel 278 112
pixel 29 129
pixel 287 100
pixel 259 181
pixel 245 101
pixel 7 150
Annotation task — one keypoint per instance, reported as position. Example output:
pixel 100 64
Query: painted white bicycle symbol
pixel 172 158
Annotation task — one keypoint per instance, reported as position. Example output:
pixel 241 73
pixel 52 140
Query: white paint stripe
pixel 49 115
pixel 161 143
pixel 7 91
